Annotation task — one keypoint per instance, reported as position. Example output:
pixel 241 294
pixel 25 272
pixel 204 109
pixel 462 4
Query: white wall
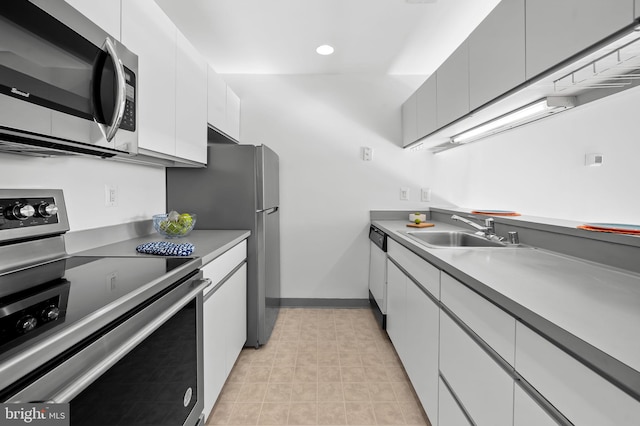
pixel 318 124
pixel 539 169
pixel 141 189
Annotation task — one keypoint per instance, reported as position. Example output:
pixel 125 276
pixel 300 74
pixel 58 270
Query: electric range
pixel 53 306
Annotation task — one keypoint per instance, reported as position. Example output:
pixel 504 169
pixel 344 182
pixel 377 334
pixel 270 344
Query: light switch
pixel 367 153
pixel 425 194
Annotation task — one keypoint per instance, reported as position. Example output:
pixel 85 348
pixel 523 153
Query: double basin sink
pixel 454 239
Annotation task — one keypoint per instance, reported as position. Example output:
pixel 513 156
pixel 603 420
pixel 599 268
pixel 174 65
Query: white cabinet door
pixel 576 391
pixel 104 13
pixel 396 312
pixel 427 275
pixel 452 82
pixel 496 53
pixel 409 120
pixel 491 323
pixel 481 385
pixel 191 102
pixel 427 107
pixel 636 9
pixel 422 331
pixel 449 413
pixel 556 30
pixel 148 32
pixel 214 349
pixel 235 321
pixel 217 100
pixel 233 114
pixel 526 412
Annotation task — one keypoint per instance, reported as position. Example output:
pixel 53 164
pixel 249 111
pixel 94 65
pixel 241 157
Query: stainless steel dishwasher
pixel 378 275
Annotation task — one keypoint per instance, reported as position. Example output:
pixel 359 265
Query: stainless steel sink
pixel 452 239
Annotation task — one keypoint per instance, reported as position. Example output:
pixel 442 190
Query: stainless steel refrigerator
pixel 239 190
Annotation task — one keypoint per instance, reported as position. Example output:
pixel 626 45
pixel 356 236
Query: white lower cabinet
pixel 581 395
pixel 527 412
pixel 449 412
pixel 412 325
pixel 225 320
pixel 396 314
pixel 481 385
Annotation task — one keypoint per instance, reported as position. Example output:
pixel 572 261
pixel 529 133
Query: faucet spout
pixel 488 230
pixel 470 223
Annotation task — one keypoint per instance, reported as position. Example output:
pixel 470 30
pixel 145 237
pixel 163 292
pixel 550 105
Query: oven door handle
pixel 78 385
pixel 109 131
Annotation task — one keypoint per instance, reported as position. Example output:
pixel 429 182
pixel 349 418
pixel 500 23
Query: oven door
pixel 145 369
pixel 61 76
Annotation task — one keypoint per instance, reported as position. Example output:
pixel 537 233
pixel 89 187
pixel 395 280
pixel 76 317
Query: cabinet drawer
pixel 583 396
pixel 491 323
pixel 481 385
pixel 449 413
pixel 222 265
pixel 422 271
pixel 527 412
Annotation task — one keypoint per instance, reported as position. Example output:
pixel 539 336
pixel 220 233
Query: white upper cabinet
pixel 105 13
pixel 233 114
pixel 426 107
pixel 217 100
pixel 636 10
pixel 172 94
pixel 191 102
pixel 409 120
pixel 149 33
pixel 223 106
pixel 556 30
pixel 496 53
pixel 452 82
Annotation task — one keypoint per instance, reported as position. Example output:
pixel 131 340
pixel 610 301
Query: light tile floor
pixel 320 367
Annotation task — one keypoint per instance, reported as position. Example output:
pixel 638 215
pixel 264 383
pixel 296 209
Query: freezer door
pixel 268 182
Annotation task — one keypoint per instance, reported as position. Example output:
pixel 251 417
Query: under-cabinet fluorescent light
pixel 518 117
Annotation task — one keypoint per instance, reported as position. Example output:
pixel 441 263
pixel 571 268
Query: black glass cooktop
pixel 39 301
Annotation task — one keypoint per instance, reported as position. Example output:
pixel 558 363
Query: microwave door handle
pixel 110 130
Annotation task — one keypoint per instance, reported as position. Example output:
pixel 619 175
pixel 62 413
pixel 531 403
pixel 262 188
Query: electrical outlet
pixel 404 194
pixel 110 195
pixel 425 194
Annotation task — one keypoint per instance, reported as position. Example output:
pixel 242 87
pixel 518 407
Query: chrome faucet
pixel 488 230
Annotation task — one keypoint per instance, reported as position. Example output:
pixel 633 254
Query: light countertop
pixel 587 308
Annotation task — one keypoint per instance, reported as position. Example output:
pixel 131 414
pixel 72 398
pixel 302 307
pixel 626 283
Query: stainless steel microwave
pixel 66 86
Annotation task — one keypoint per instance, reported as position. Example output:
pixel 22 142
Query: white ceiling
pixel 369 36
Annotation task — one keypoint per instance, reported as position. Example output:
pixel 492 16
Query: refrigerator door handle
pixel 269 210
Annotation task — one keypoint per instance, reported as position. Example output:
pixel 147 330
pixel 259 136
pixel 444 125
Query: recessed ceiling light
pixel 325 49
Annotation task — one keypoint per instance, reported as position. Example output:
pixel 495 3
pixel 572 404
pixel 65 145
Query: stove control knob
pixel 26 324
pixel 46 210
pixel 22 211
pixel 50 314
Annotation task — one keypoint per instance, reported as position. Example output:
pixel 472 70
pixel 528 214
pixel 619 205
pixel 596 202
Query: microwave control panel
pixel 129 118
